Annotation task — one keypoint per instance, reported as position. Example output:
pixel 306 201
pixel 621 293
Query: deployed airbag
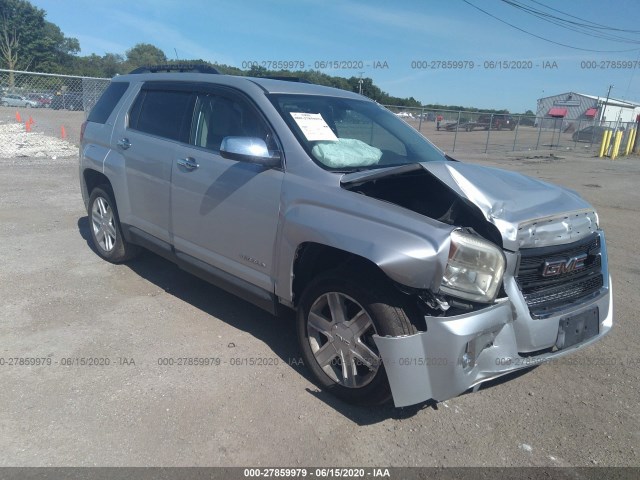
pixel 346 152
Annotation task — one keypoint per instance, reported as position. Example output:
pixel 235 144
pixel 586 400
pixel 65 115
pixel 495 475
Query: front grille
pixel 544 294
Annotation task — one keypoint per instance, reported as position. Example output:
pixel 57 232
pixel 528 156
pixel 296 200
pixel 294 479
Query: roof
pixel 614 102
pixel 267 85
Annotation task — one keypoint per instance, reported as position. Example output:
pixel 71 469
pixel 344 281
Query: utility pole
pixel 605 104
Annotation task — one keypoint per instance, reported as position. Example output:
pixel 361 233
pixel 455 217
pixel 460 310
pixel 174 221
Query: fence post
pixel 486 145
pixel 559 133
pixel 515 137
pixel 421 115
pixel 455 136
pixel 575 142
pixel 539 132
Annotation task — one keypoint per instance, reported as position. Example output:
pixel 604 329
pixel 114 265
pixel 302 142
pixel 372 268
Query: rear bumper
pixel 457 353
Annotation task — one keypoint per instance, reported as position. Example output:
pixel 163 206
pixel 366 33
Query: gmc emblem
pixel 559 267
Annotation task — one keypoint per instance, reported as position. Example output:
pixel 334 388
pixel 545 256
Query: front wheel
pixel 337 318
pixel 104 224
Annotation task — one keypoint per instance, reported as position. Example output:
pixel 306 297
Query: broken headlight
pixel 474 269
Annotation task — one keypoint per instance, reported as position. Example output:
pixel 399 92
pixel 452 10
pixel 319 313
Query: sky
pixel 404 46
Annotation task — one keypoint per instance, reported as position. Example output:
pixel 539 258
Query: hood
pixel 527 212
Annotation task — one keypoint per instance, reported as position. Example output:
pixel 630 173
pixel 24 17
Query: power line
pixel 589 22
pixel 546 39
pixel 582 28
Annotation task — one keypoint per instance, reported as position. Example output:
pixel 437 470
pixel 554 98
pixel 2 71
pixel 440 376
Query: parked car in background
pixel 67 101
pixel 484 122
pixel 42 101
pixel 14 100
pixel 497 121
pixel 590 134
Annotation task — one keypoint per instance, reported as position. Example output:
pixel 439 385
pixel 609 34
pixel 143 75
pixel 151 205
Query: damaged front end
pixel 526 280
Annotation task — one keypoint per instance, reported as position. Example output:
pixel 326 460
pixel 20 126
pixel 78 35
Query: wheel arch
pixel 94 178
pixel 313 259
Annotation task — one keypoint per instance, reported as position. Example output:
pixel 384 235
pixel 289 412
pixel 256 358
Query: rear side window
pixel 107 102
pixel 160 113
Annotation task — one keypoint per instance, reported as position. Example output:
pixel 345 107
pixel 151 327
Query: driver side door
pixel 224 212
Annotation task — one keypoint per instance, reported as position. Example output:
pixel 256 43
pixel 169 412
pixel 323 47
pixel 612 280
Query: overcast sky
pixel 366 34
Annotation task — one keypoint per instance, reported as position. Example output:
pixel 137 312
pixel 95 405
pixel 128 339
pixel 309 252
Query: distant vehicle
pixel 404 115
pixel 590 134
pixel 68 101
pixel 495 122
pixel 42 101
pixel 13 100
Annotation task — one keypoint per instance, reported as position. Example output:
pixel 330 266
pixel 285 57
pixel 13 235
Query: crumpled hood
pixel 526 211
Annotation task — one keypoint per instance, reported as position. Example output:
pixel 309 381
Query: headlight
pixel 474 270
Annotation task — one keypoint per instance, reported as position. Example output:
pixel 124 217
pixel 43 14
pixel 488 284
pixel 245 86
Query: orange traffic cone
pixel 63 132
pixel 27 126
pixel 31 121
pixel 18 117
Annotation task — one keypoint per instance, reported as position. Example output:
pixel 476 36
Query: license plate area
pixel 578 328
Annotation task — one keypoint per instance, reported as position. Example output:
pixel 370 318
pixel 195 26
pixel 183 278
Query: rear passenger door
pixel 225 212
pixel 158 121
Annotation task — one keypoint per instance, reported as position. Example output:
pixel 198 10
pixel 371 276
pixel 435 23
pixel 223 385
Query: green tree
pixel 145 54
pixel 28 41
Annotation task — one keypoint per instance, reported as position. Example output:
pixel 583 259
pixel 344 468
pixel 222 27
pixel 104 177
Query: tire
pixel 105 229
pixel 365 308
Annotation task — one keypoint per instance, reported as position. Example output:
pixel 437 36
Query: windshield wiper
pixel 358 178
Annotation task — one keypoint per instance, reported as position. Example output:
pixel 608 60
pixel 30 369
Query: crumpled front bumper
pixel 459 352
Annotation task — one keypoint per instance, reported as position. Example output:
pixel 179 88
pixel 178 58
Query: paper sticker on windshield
pixel 314 127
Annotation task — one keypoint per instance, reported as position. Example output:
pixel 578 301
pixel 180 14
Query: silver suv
pixel 414 276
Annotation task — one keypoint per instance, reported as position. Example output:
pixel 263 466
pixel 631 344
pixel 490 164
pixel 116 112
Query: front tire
pixel 337 318
pixel 104 225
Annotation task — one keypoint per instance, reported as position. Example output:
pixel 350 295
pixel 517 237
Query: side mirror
pixel 249 149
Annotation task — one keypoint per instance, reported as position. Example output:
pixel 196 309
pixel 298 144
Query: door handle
pixel 189 163
pixel 124 143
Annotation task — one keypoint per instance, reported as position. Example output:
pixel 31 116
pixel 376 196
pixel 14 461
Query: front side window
pixel 345 134
pixel 160 112
pixel 217 117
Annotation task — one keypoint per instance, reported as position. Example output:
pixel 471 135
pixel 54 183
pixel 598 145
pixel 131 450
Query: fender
pixel 414 254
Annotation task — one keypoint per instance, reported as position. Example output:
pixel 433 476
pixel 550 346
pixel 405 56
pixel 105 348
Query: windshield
pixel 345 135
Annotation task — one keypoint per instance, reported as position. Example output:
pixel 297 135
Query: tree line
pixel 30 42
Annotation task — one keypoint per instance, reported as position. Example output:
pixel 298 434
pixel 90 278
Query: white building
pixel 574 107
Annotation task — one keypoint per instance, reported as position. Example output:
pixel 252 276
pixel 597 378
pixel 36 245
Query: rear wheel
pixel 337 318
pixel 104 224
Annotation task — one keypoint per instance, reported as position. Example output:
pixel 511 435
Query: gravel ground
pixel 61 301
pixel 17 142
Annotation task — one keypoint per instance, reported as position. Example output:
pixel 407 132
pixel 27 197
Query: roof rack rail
pixel 178 67
pixel 286 79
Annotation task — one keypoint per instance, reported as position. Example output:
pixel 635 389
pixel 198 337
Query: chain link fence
pixel 480 132
pixel 35 107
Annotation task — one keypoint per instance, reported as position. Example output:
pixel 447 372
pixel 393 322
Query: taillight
pixel 82 127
